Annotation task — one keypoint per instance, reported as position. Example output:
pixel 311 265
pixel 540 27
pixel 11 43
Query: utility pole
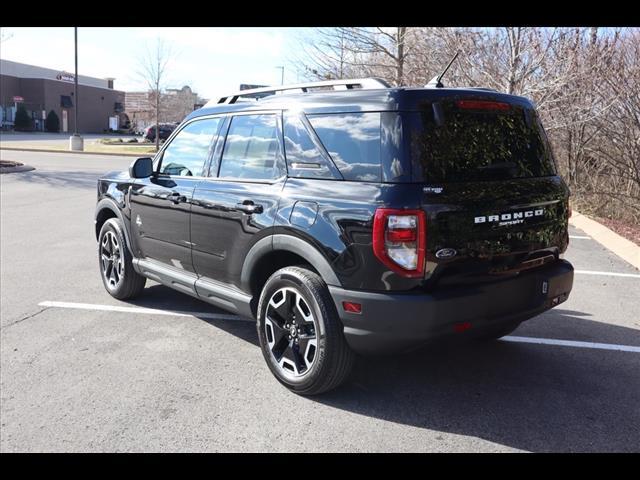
pixel 75 141
pixel 281 75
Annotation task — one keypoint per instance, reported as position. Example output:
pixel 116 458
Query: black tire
pixel 497 331
pixel 129 283
pixel 332 359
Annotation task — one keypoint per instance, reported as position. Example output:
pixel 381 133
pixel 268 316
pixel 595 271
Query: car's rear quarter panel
pixel 342 228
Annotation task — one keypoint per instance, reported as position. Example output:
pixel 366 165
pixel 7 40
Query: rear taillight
pixel 482 105
pixel 399 240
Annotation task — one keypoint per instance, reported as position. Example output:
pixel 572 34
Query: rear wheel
pixel 300 334
pixel 116 266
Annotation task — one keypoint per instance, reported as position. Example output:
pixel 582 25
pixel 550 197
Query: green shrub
pixel 22 121
pixel 52 123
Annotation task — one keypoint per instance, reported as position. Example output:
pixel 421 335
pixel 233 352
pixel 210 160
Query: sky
pixel 212 61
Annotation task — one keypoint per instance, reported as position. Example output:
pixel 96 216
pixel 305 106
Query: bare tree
pixel 324 56
pixel 153 67
pixel 357 51
pixel 584 81
pixel 4 35
pixel 614 159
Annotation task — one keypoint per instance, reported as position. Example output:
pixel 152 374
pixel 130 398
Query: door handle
pixel 176 198
pixel 249 207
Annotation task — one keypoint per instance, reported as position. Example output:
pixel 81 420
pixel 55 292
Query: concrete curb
pixel 625 249
pixel 50 150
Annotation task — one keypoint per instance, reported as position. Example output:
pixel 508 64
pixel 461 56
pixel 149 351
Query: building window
pixel 65 101
pixel 118 108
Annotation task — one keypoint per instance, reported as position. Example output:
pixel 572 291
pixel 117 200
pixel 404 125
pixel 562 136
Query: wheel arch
pixel 278 251
pixel 106 209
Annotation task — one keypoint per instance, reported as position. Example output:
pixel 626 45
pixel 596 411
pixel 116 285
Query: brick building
pixel 41 90
pixel 175 104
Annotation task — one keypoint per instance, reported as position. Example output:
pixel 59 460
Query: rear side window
pixel 353 142
pixel 465 141
pixel 304 158
pixel 251 148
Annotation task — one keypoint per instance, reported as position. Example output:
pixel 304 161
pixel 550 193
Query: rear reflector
pixel 402 235
pixel 482 105
pixel 352 307
pixel 462 327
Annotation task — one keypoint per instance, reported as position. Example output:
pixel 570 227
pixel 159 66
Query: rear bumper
pixel 395 322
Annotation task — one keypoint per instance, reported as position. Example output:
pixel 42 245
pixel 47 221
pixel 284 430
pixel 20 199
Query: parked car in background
pixel 164 131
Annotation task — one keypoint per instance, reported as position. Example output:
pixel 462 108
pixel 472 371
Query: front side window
pixel 353 141
pixel 251 148
pixel 187 153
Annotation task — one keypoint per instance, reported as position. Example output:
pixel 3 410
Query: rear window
pixel 353 142
pixel 463 141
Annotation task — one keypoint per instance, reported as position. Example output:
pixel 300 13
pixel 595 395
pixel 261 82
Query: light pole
pixel 281 75
pixel 75 141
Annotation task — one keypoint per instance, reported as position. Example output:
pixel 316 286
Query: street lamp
pixel 281 75
pixel 75 141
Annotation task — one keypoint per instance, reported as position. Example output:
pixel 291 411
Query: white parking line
pixel 611 274
pixel 572 343
pixel 580 237
pixel 236 318
pixel 147 311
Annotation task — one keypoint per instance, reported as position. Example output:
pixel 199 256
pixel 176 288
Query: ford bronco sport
pixel 346 217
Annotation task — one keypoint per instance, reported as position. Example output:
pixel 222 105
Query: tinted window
pixel 65 101
pixel 452 143
pixel 251 148
pixel 304 160
pixel 187 153
pixel 353 141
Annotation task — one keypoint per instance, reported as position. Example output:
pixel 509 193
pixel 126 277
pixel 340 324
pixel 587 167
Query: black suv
pixel 352 217
pixel 164 131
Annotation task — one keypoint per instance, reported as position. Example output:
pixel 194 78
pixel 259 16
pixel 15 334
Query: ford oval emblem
pixel 446 253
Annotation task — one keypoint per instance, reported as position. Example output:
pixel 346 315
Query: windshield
pixel 476 140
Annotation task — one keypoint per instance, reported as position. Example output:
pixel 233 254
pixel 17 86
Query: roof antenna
pixel 435 81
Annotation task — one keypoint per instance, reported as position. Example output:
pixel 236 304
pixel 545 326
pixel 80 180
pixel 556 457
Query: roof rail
pixel 363 83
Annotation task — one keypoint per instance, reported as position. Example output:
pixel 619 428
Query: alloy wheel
pixel 290 330
pixel 111 259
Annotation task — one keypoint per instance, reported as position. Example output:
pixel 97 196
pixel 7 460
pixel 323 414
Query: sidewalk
pixel 619 245
pixel 53 142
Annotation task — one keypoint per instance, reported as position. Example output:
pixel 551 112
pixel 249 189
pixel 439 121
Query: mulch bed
pixel 630 232
pixel 9 164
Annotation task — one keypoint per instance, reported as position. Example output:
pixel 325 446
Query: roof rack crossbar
pixel 349 84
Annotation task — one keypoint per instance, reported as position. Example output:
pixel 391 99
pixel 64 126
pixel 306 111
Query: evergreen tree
pixel 22 121
pixel 52 123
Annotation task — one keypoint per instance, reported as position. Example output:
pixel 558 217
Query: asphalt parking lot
pixel 78 374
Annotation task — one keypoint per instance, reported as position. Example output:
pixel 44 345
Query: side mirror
pixel 141 168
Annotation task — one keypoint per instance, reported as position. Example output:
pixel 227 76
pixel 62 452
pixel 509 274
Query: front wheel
pixel 115 260
pixel 300 334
